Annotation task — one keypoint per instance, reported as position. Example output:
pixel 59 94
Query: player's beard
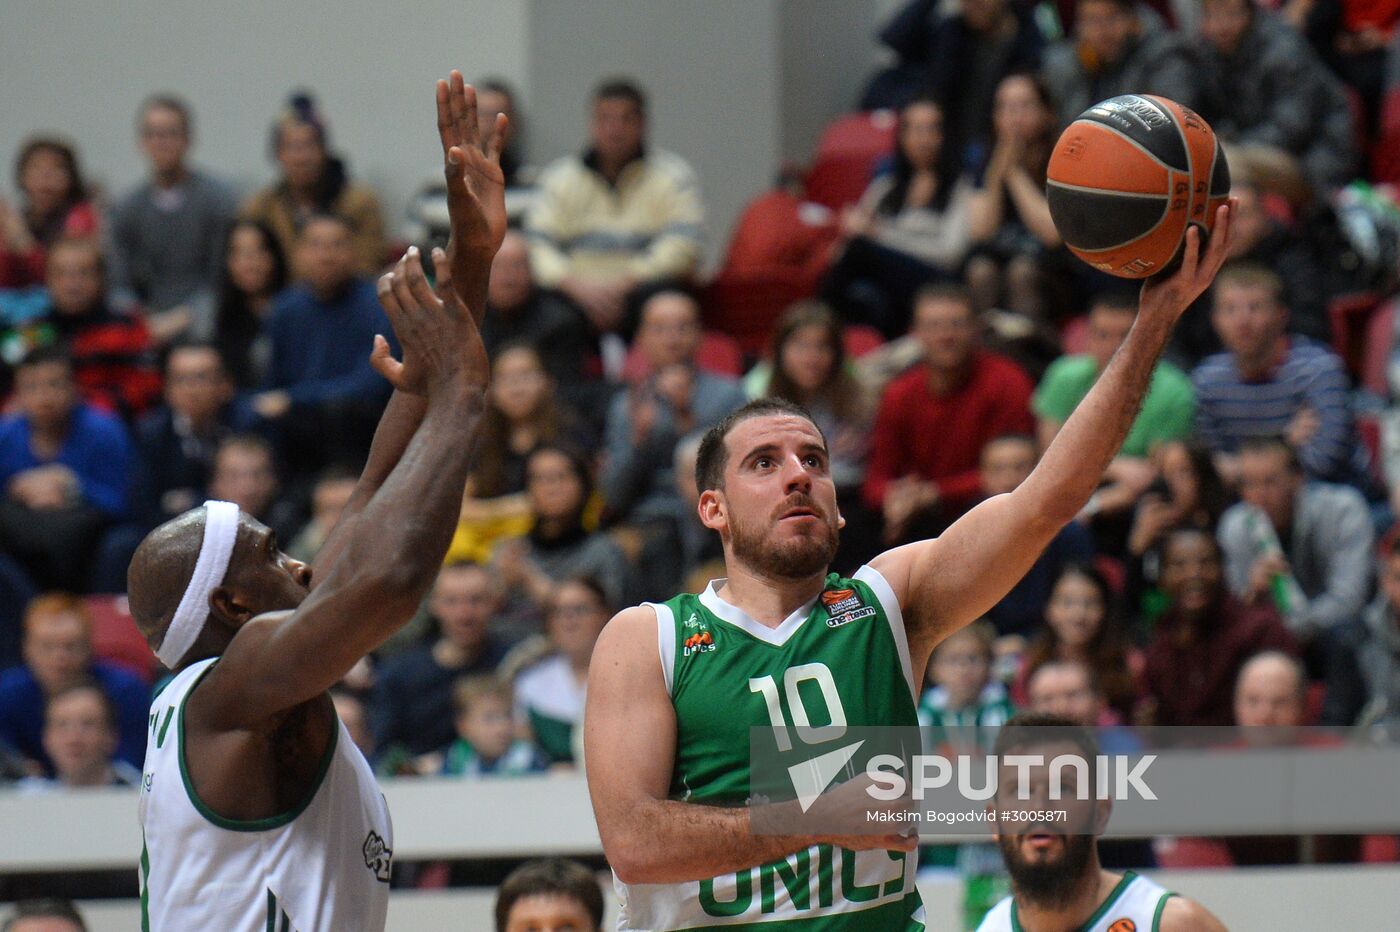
pixel 796 557
pixel 1049 884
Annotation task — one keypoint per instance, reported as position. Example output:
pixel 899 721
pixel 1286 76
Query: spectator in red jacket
pixel 935 419
pixel 55 205
pixel 113 361
pixel 1205 637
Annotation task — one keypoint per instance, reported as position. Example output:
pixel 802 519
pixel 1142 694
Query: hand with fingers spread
pixel 1170 296
pixel 476 188
pixel 441 342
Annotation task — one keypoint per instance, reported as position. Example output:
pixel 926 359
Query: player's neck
pixel 768 600
pixel 1073 913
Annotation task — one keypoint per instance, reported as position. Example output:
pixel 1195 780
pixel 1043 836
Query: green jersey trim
pixel 736 616
pixel 1157 914
pixel 1118 890
pixel 248 825
pixel 666 642
pixel 884 593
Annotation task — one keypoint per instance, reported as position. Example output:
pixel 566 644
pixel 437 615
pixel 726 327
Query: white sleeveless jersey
pixel 322 867
pixel 1135 905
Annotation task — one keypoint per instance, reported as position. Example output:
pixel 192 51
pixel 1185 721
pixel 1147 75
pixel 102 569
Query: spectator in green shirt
pixel 1167 412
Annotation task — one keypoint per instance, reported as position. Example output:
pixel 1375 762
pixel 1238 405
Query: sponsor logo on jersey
pixel 378 856
pixel 844 606
pixel 1123 925
pixel 701 642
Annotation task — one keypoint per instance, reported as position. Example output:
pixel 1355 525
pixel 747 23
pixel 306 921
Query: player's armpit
pixel 1183 915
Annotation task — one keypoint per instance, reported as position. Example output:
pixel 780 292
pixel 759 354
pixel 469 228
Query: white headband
pixel 220 530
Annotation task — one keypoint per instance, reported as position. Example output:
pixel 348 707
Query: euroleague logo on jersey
pixel 844 606
pixel 699 640
pixel 1123 925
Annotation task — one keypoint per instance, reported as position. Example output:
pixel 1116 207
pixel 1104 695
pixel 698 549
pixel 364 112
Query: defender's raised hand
pixel 440 338
pixel 476 187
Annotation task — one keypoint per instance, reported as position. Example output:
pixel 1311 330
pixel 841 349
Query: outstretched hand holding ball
pixel 1129 178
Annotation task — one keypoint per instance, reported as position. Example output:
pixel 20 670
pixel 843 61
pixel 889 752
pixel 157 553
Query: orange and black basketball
pixel 1128 177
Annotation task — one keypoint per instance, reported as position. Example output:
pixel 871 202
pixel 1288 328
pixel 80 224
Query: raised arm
pixel 476 209
pixel 945 583
pixel 630 743
pixel 392 554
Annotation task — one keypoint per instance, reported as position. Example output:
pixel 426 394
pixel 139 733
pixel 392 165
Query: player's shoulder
pixel 1182 915
pixel 627 626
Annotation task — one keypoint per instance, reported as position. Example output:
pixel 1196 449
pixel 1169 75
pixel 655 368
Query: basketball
pixel 1128 177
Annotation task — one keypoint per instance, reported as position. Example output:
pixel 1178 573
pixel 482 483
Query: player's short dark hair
pixel 550 877
pixel 1026 730
pixel 713 454
pixel 46 355
pixel 621 88
pixel 46 908
pixel 167 101
pixel 1274 444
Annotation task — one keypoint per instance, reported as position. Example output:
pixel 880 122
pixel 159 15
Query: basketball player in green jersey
pixel 674 688
pixel 257 811
pixel 1056 881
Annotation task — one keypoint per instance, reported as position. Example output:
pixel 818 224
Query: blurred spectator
pixel 519 312
pixel 809 367
pixel 46 915
pixel 329 496
pixel 254 271
pixel 1187 493
pixel 963 705
pixel 315 182
pixel 1082 625
pixel 1067 688
pixel 1271 692
pixel 16 589
pixel 959 57
pixel 55 206
pixel 58 655
pixel 1204 638
pixel 910 227
pixel 80 736
pixel 701 550
pixel 1005 463
pixel 559 546
pixel 1269 383
pixel 549 694
pixel 486 746
pixel 168 232
pixel 1166 414
pixel 1355 38
pixel 1016 242
pixel 1317 534
pixel 646 421
pixel 551 894
pixel 411 706
pixel 1119 47
pixel 177 441
pixel 244 472
pixel 110 348
pixel 350 709
pixel 66 470
pixel 622 214
pixel 1364 683
pixel 522 412
pixel 1263 83
pixel 321 390
pixel 934 420
pixel 493 97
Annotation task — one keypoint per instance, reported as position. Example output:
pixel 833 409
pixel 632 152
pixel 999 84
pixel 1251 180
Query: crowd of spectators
pixel 170 344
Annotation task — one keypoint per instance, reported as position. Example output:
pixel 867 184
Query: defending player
pixel 1056 880
pixel 257 811
pixel 674 688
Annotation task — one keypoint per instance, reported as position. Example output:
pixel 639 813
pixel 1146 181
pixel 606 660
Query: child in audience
pixel 486 745
pixel 964 703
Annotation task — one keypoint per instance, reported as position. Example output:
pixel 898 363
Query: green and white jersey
pixel 1135 904
pixel 840 661
pixel 549 697
pixel 321 867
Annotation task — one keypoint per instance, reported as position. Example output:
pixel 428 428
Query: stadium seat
pixel 779 230
pixel 846 157
pixel 1348 315
pixel 859 339
pixel 1376 344
pixel 115 638
pixel 747 305
pixel 1385 150
pixel 1380 849
pixel 1186 853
